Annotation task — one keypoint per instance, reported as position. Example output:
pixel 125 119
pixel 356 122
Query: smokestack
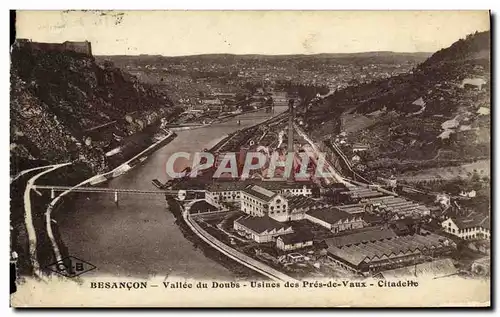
pixel 290 125
pixel 291 117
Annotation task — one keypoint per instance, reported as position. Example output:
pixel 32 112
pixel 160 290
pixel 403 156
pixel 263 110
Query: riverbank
pixel 232 115
pixel 219 145
pixel 49 246
pixel 52 230
pixel 134 161
pixel 232 253
pixel 140 236
pixel 241 271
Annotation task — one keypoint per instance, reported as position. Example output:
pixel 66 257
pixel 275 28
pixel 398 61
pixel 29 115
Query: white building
pixel 230 191
pixel 357 147
pixel 470 194
pixel 472 227
pixel 230 196
pixel 258 201
pixel 297 190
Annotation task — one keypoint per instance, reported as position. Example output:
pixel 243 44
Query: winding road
pixel 28 216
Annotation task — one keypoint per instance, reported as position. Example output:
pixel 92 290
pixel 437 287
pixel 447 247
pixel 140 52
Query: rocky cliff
pixel 66 107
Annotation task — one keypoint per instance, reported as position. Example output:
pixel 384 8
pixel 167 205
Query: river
pixel 139 236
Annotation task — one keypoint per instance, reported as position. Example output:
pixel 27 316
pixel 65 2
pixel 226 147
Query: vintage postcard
pixel 250 159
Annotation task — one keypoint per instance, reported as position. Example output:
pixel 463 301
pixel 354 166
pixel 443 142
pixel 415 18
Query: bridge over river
pixel 140 236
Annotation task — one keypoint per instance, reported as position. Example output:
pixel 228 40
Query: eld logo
pixel 71 267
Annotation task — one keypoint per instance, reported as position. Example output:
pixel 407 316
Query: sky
pixel 175 33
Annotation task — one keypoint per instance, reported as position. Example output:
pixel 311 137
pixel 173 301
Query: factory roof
pixel 260 192
pixel 370 235
pixel 261 224
pixel 436 268
pixel 227 185
pixel 473 220
pixel 352 209
pixel 303 202
pixel 277 185
pixel 330 215
pixel 230 185
pixel 362 192
pixel 296 237
pixel 397 205
pixel 389 248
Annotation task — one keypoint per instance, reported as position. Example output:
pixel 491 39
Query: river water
pixel 139 236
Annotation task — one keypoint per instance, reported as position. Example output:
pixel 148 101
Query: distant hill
pixel 365 57
pixel 434 116
pixel 59 97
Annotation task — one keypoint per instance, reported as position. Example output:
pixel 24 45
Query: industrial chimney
pixel 291 117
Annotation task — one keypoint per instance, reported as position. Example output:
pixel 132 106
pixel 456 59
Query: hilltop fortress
pixel 84 47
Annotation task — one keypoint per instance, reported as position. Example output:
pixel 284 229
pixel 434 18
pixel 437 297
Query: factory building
pixel 260 229
pixel 334 219
pixel 390 253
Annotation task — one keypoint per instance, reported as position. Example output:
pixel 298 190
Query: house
pixel 357 147
pixel 470 194
pixel 473 226
pixel 294 241
pixel 260 229
pixel 335 219
pixel 473 82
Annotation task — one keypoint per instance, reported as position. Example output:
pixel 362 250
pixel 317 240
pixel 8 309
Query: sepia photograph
pixel 250 159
